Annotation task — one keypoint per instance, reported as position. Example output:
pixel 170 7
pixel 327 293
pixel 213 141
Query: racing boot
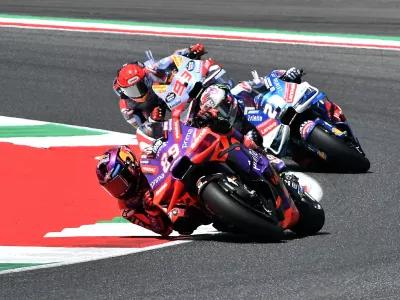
pixel 293 186
pixel 186 220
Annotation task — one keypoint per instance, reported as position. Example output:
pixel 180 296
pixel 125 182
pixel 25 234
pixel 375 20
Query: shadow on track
pixel 319 169
pixel 230 238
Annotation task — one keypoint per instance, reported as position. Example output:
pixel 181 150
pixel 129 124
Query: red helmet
pixel 131 79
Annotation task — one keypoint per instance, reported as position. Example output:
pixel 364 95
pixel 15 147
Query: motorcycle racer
pixel 219 110
pixel 246 92
pixel 133 84
pixel 118 171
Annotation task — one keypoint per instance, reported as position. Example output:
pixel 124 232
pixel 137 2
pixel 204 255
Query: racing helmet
pixel 131 80
pixel 119 173
pixel 218 100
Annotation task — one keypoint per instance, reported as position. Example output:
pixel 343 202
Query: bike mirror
pixel 150 56
pixel 212 72
pixel 196 90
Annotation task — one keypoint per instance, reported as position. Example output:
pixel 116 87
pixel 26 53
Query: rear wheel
pixel 229 208
pixel 340 155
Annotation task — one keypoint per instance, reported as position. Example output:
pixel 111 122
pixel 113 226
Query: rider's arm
pixel 160 71
pixel 157 222
pixel 291 75
pixel 194 51
pixel 134 117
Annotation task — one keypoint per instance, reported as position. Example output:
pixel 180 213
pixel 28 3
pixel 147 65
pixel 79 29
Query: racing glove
pixel 196 51
pixel 293 75
pixel 210 118
pixel 158 114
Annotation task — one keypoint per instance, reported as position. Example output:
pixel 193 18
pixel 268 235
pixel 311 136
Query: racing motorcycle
pixel 229 183
pixel 197 167
pixel 294 118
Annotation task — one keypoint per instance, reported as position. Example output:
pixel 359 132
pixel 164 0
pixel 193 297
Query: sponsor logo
pixel 171 96
pixel 305 128
pixel 161 189
pixel 254 118
pixel 290 92
pixel 206 66
pixel 133 79
pixel 151 170
pixel 187 138
pixel 174 103
pixel 198 138
pixel 256 158
pixel 144 161
pixel 177 130
pixel 268 84
pixel 250 110
pixel 278 85
pixel 266 127
pixel 159 88
pixel 190 66
pixel 157 147
pixel 177 60
pixel 157 180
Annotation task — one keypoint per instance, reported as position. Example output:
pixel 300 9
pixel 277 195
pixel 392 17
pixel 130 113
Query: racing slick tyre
pixel 340 155
pixel 312 216
pixel 231 209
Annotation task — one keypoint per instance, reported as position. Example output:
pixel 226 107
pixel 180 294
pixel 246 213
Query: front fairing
pixel 319 107
pixel 176 92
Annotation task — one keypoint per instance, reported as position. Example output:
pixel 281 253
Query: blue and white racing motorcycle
pixel 297 118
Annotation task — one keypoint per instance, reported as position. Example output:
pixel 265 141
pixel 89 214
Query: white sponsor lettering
pixel 161 189
pixel 278 85
pixel 198 138
pixel 157 180
pixel 254 118
pixel 187 138
pixel 177 130
pixel 255 157
pixel 133 79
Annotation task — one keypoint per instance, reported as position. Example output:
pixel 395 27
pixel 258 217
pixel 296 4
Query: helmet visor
pixel 117 186
pixel 136 91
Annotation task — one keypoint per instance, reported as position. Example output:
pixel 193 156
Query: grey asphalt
pixel 66 77
pixel 381 17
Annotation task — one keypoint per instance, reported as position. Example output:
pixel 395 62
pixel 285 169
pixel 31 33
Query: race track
pixel 380 17
pixel 66 77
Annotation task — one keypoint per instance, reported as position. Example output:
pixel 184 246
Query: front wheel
pixel 312 216
pixel 340 155
pixel 230 209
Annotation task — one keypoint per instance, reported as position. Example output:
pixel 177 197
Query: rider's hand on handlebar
pixel 294 74
pixel 157 114
pixel 196 51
